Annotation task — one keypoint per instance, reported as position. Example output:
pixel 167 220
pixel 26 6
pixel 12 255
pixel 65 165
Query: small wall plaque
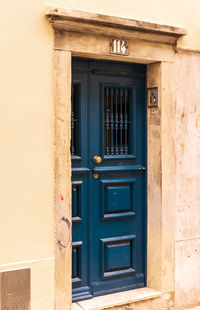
pixel 153 97
pixel 119 46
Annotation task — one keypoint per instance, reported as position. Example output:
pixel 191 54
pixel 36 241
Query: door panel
pixel 118 198
pixel 109 197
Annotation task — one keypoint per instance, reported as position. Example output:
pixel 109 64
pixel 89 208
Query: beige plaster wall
pixel 187 149
pixel 177 13
pixel 26 146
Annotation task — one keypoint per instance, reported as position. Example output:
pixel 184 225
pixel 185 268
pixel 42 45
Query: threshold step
pixel 116 299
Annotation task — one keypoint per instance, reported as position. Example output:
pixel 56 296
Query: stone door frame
pixel 88 35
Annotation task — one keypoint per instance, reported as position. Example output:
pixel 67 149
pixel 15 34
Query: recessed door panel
pixel 108 150
pixel 118 198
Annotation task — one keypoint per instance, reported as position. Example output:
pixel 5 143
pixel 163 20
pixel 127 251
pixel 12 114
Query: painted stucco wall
pixel 26 146
pixel 27 138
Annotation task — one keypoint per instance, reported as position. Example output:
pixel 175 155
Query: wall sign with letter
pixel 119 46
pixel 153 97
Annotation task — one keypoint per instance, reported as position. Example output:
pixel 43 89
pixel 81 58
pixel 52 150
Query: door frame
pixel 87 35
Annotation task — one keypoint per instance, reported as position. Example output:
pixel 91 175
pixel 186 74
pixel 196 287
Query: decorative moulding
pixel 99 24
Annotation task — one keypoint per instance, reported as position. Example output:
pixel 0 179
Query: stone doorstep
pixel 194 308
pixel 116 299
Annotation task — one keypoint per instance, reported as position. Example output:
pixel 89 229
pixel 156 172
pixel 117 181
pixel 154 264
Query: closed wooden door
pixel 108 149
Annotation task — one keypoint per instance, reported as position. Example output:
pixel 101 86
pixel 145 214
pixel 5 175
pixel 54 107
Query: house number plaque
pixel 119 47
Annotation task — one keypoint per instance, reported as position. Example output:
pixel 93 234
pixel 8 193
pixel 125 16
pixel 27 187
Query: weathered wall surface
pixel 187 146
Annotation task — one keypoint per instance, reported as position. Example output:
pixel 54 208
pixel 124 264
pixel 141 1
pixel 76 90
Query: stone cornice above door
pixel 111 26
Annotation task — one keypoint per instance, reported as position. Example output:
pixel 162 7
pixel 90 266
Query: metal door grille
pixel 116 121
pixel 74 121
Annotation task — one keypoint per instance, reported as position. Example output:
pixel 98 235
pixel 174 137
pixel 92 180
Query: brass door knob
pixel 97 159
pixel 95 175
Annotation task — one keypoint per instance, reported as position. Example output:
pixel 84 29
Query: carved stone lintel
pixel 99 24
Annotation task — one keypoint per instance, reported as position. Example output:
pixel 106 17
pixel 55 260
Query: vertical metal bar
pixel 72 121
pixel 125 122
pixel 107 122
pixel 74 262
pixel 116 122
pixel 76 111
pixel 121 123
pixel 74 201
pixel 111 121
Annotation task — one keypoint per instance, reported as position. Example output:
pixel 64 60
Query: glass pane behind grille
pixel 116 121
pixel 74 121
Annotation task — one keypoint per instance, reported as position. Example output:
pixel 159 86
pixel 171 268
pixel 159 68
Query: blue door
pixel 108 150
